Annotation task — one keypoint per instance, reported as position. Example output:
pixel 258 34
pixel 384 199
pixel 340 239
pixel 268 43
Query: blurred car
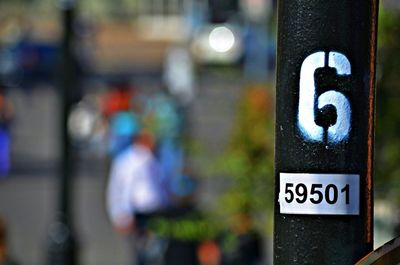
pixel 27 63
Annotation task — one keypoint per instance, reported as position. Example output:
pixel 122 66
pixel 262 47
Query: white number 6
pixel 308 101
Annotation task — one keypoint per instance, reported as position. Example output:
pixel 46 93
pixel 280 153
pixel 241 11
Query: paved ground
pixel 28 196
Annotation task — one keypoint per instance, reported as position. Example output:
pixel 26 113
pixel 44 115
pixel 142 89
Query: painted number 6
pixel 310 103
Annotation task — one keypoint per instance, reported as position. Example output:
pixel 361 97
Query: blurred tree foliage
pixel 387 163
pixel 248 162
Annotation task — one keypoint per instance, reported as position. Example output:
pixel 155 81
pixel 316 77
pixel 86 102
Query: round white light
pixel 221 39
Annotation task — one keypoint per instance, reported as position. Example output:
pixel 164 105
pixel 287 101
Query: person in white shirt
pixel 135 194
pixel 135 189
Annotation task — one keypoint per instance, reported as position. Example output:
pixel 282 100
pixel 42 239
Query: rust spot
pixel 374 12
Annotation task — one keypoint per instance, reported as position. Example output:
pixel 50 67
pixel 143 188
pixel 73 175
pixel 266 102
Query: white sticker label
pixel 319 194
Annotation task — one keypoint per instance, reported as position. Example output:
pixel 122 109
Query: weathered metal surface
pixel 387 254
pixel 336 135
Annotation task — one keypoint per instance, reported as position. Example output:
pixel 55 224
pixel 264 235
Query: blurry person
pixel 122 122
pixel 122 126
pixel 4 254
pixel 117 99
pixel 247 247
pixel 135 195
pixel 6 115
pixel 182 192
pixel 163 118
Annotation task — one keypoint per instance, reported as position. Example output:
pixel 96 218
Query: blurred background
pixel 78 77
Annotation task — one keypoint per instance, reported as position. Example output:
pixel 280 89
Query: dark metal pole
pixel 324 131
pixel 62 248
pixel 68 83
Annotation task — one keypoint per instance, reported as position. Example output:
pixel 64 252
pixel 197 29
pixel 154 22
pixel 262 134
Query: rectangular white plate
pixel 319 194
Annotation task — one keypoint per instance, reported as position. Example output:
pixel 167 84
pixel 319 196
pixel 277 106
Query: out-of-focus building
pixel 126 36
pixel 163 19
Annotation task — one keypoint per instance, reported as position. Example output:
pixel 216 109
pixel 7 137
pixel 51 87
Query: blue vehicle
pixel 28 63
